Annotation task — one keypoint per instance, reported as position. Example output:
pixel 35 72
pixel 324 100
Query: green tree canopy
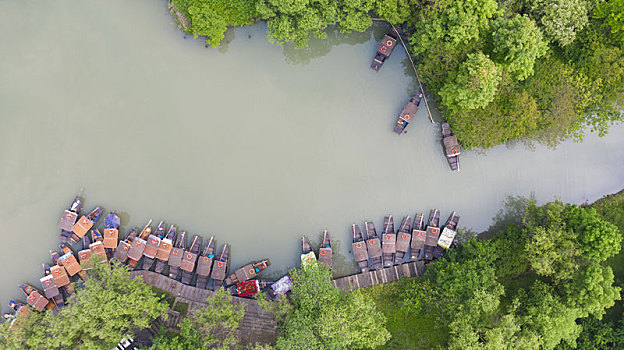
pixel 393 11
pixel 612 14
pixel 211 18
pixel 108 308
pixel 561 19
pixel 516 44
pixel 474 85
pixel 324 317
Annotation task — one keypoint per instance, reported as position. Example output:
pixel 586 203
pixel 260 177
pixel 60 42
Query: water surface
pixel 252 143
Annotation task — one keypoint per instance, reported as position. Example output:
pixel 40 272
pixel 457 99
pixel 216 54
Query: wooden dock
pixel 256 326
pixel 388 274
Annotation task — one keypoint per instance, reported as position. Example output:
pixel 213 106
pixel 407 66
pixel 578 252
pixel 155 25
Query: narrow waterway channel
pixel 252 143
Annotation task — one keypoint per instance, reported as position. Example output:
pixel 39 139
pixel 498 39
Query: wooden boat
pixel 408 113
pixel 138 245
pixel 152 245
pixel 164 249
pixel 111 233
pixel 432 234
pixel 21 313
pixel 403 240
pixel 247 272
pixel 84 255
pixel 418 237
pixel 65 285
pixel 279 288
pixel 84 225
pixel 50 290
pixel 447 236
pixel 35 298
pixel 325 250
pixel 175 258
pixel 68 260
pixel 204 264
pixel 373 245
pixel 69 218
pixel 219 269
pixel 451 147
pixel 359 248
pixel 245 289
pixel 189 259
pixel 307 255
pixel 121 253
pixel 384 49
pixel 388 241
pixel 97 246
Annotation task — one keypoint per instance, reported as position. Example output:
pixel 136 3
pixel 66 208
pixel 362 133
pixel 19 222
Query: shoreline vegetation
pixel 530 70
pixel 542 277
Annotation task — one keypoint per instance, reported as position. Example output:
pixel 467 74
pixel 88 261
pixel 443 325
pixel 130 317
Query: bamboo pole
pixel 413 66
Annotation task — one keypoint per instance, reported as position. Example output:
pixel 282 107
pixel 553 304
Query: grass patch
pixel 181 307
pixel 409 331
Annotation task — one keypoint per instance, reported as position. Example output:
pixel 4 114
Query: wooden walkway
pixel 256 326
pixel 389 274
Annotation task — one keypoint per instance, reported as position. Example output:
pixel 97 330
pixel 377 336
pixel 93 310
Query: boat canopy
pixel 307 259
pixel 282 286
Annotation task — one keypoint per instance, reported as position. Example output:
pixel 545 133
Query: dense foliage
pixel 557 254
pixel 213 326
pixel 321 316
pixel 108 308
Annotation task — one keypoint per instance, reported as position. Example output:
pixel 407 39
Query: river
pixel 253 143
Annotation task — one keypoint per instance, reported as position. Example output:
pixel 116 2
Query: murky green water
pixel 252 143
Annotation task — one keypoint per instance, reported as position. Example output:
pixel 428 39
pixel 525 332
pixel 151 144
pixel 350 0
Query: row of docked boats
pixel 451 146
pixel 422 241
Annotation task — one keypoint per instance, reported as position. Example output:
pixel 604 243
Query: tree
pixel 108 308
pixel 213 326
pixel 592 291
pixel 295 20
pixel 612 15
pixel 474 85
pixel 454 21
pixel 516 44
pixel 324 317
pixel 599 239
pixel 211 18
pixel 561 19
pixel 393 11
pixel 353 15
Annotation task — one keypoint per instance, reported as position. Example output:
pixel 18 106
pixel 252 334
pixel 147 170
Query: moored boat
pixel 111 233
pixel 451 147
pixel 84 224
pixel 433 232
pixel 51 291
pixel 359 248
pixel 138 245
pixel 175 258
pixel 373 245
pixel 388 241
pixel 219 268
pixel 189 259
pixel 61 280
pixel 121 253
pixel 384 49
pixel 84 255
pixel 69 218
pixel 418 237
pixel 97 246
pixel 68 260
pixel 307 255
pixel 35 298
pixel 325 250
pixel 204 264
pixel 447 236
pixel 21 313
pixel 245 289
pixel 247 272
pixel 152 245
pixel 408 113
pixel 164 249
pixel 403 240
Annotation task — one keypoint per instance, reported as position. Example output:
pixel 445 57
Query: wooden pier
pixel 257 325
pixel 388 274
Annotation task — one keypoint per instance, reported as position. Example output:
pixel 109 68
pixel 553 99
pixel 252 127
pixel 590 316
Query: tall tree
pixel 561 19
pixel 612 15
pixel 474 85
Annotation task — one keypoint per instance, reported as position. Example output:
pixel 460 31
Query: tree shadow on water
pixel 321 47
pixel 512 212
